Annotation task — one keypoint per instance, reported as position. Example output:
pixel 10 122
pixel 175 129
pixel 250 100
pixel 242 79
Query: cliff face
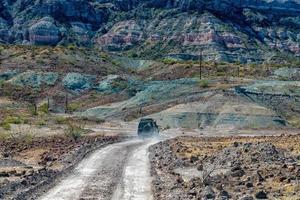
pixel 225 30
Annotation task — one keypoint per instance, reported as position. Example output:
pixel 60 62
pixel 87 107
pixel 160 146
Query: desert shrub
pixel 74 131
pixel 41 122
pixel 60 120
pixel 73 107
pixel 203 83
pixel 71 47
pixel 222 68
pixel 294 121
pixel 221 74
pixel 24 136
pixel 14 120
pixel 43 108
pixel 133 55
pixel 104 56
pixel 115 63
pixel 6 123
pixel 2 82
pixel 5 126
pixel 27 138
pixel 97 120
pixel 169 61
pixel 4 135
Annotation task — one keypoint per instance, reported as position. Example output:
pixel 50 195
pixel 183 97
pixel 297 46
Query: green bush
pixel 204 83
pixel 97 120
pixel 1 49
pixel 2 82
pixel 74 131
pixel 6 126
pixel 73 107
pixel 169 61
pixel 6 123
pixel 14 120
pixel 4 135
pixel 104 56
pixel 44 108
pixel 60 120
pixel 115 63
pixel 41 123
pixel 71 47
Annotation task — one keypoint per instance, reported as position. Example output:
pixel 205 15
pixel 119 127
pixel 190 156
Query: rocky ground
pixel 29 164
pixel 227 168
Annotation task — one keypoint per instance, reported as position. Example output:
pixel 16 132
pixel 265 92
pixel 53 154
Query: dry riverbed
pixel 226 168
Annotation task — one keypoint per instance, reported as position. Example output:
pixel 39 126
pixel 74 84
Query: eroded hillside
pixel 223 30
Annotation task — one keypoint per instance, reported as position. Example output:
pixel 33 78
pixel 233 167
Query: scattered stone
pixel 208 193
pixel 200 167
pixel 237 172
pixel 179 179
pixel 249 185
pixel 235 144
pixel 193 192
pixel 194 159
pixel 218 178
pixel 224 193
pixel 247 197
pixel 4 174
pixel 261 195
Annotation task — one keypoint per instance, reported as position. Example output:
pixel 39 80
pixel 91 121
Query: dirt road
pixel 118 171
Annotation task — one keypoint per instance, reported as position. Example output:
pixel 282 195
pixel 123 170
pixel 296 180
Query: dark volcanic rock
pixel 261 195
pixel 229 173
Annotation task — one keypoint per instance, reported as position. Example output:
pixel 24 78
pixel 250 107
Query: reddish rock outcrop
pixel 44 32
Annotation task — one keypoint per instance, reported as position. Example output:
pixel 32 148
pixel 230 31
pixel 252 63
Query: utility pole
pixel 200 63
pixel 66 103
pixel 48 105
pixel 35 108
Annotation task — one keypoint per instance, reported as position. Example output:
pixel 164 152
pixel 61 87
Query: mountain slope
pixel 225 30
